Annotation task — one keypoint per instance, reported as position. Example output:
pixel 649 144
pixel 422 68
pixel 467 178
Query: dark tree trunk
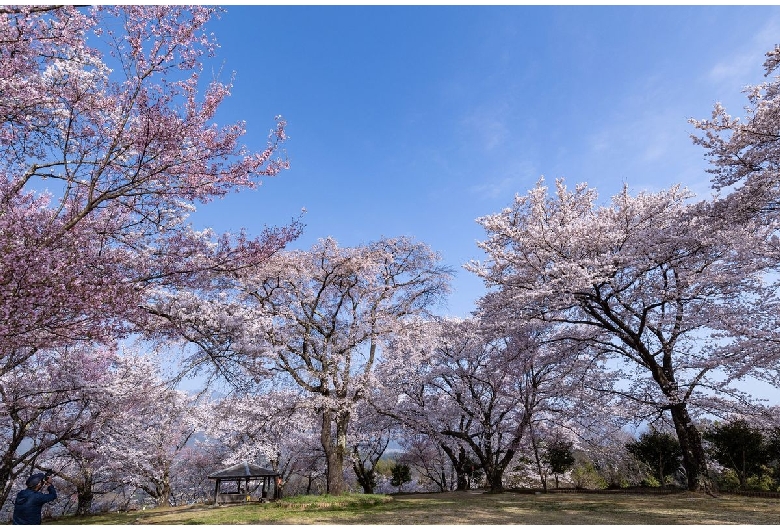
pixel 694 459
pixel 462 481
pixel 84 495
pixel 160 490
pixel 365 476
pixel 7 476
pixel 493 466
pixel 460 464
pixel 495 479
pixel 661 476
pixel 364 465
pixel 537 457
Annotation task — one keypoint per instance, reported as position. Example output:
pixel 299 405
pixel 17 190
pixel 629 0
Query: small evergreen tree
pixel 773 452
pixel 559 457
pixel 739 447
pixel 401 475
pixel 660 451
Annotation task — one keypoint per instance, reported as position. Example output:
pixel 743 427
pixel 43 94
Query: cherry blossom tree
pixel 101 106
pixel 649 280
pixel 426 455
pixel 368 440
pixel 475 385
pixel 316 319
pixel 744 152
pixel 276 428
pixel 150 426
pixel 745 168
pixel 334 312
pixel 101 459
pixel 603 460
pixel 46 402
pixel 109 139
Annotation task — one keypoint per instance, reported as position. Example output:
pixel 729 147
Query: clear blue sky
pixel 407 120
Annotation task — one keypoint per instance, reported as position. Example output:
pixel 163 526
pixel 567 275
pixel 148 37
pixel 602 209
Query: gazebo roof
pixel 244 470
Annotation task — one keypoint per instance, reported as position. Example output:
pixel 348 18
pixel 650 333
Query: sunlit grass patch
pixel 466 508
pixel 303 502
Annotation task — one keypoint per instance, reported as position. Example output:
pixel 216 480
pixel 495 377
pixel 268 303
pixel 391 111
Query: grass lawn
pixel 467 508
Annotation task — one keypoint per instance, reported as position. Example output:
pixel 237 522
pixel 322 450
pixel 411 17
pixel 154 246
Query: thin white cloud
pixel 739 67
pixel 488 127
pixel 734 69
pixel 514 178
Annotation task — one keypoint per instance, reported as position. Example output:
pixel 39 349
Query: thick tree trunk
pixel 9 459
pixel 6 478
pixel 84 495
pixel 368 487
pixel 494 467
pixel 164 490
pixel 335 450
pixel 495 479
pixel 694 459
pixel 459 464
pixel 365 476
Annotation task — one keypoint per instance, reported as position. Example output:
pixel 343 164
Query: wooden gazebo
pixel 242 475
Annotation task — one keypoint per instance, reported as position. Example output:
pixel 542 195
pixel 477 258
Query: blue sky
pixel 410 120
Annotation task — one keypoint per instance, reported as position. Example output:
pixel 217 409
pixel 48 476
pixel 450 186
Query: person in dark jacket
pixel 30 501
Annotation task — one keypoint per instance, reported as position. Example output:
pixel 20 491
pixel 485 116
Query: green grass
pixel 466 508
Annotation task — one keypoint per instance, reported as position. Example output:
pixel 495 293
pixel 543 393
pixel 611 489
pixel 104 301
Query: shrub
pixel 585 476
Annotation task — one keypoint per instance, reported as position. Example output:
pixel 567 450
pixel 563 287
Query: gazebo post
pixel 216 492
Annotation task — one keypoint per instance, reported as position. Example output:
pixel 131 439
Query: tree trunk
pixel 6 482
pixel 462 480
pixel 542 476
pixel 743 473
pixel 335 453
pixel 165 496
pixel 694 459
pixel 163 489
pixel 9 459
pixel 494 467
pixel 85 495
pixel 365 477
pixel 496 479
pixel 459 463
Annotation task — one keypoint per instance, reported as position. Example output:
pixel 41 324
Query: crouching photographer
pixel 30 501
